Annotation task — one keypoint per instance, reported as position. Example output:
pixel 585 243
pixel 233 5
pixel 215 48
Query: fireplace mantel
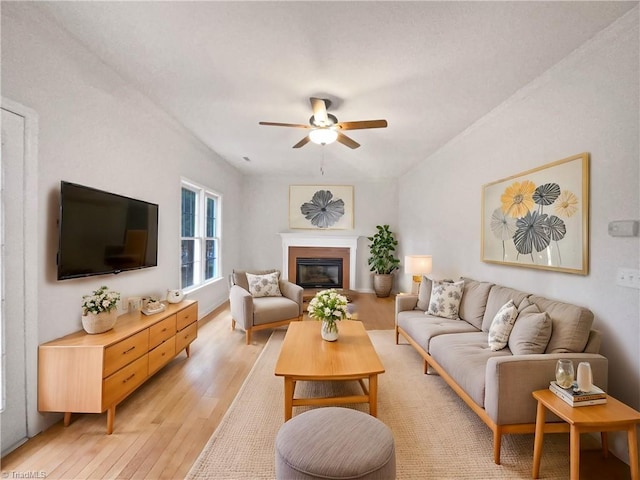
pixel 327 241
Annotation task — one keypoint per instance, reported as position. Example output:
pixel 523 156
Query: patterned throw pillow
pixel 264 285
pixel 501 326
pixel 445 299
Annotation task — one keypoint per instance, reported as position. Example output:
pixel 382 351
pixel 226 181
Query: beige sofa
pixel 497 385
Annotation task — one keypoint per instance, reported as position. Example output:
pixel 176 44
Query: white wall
pixel 96 130
pixel 265 215
pixel 587 102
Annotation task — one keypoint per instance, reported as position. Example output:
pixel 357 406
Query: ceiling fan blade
pixel 277 124
pixel 362 124
pixel 343 139
pixel 302 142
pixel 319 111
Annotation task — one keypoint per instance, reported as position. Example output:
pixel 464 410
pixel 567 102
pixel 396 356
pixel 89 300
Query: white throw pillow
pixel 445 299
pixel 501 326
pixel 264 285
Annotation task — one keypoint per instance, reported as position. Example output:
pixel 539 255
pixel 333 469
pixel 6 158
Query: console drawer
pixel 161 355
pixel 124 381
pixel 125 351
pixel 185 337
pixel 162 330
pixel 187 316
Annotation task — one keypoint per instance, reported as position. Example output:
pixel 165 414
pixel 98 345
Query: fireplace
pixel 321 246
pixel 319 272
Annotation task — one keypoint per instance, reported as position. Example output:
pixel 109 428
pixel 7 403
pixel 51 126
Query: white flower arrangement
pixel 101 300
pixel 328 306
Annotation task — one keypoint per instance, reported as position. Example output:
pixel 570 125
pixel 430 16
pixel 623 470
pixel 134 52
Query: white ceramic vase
pixel 329 331
pixel 175 296
pixel 99 322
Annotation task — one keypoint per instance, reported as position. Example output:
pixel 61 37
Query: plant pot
pixel 329 331
pixel 382 284
pixel 99 322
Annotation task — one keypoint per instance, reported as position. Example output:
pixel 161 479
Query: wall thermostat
pixel 623 228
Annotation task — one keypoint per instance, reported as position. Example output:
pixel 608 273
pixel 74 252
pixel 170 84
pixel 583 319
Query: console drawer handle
pixel 129 378
pixel 164 329
pixel 128 350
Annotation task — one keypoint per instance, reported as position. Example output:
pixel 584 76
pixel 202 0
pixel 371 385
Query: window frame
pixel 200 238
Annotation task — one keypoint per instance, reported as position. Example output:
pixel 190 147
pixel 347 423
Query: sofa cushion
pixel 570 325
pixel 239 277
pixel 424 293
pixel 264 285
pixel 531 332
pixel 464 357
pixel 501 326
pixel 474 301
pixel 445 299
pixel 422 328
pixel 498 296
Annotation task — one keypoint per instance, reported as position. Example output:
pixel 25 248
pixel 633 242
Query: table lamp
pixel 417 265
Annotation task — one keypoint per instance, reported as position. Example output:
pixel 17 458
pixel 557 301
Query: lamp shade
pixel 323 136
pixel 417 264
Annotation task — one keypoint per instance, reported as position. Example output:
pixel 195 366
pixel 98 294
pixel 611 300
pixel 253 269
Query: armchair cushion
pixel 239 277
pixel 264 285
pixel 273 309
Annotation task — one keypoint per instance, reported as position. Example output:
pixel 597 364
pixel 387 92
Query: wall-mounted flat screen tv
pixel 101 232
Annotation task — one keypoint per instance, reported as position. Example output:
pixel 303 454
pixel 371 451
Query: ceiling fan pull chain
pixel 322 161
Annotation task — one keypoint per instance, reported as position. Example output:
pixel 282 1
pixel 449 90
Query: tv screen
pixel 101 232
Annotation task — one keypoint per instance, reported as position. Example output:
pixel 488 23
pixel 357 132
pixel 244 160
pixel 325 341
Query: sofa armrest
pixel 404 303
pixel 241 306
pixel 293 292
pixel 510 380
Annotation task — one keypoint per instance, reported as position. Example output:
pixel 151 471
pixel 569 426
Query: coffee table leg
pixel 632 439
pixel 537 445
pixel 574 440
pixel 373 395
pixel 288 398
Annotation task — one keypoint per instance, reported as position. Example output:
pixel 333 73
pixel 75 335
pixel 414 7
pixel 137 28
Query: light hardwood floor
pixel 163 426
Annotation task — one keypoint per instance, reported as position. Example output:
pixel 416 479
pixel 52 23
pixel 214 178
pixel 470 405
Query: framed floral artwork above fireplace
pixel 539 218
pixel 321 207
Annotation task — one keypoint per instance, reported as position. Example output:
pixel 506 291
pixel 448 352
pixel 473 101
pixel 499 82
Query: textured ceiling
pixel 430 68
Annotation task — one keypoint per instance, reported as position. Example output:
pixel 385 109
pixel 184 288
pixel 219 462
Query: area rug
pixel 437 436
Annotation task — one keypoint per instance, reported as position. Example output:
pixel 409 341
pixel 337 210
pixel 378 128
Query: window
pixel 200 235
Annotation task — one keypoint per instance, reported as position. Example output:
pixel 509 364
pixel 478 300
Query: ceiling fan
pixel 325 127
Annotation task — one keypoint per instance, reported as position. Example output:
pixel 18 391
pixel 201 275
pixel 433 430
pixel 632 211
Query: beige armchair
pixel 258 313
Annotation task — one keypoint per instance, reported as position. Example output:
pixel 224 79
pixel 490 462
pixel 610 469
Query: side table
pixel 611 416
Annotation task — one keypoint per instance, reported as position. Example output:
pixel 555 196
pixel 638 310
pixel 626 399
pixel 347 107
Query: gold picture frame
pixel 321 207
pixel 539 218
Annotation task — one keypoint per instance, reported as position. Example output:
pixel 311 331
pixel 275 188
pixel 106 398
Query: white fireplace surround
pixel 310 240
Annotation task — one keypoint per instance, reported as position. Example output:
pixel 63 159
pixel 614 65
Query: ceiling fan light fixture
pixel 323 136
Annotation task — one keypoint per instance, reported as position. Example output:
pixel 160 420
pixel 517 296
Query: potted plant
pixel 329 307
pixel 99 310
pixel 382 260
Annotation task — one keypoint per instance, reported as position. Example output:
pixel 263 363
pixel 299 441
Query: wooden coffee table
pixel 304 356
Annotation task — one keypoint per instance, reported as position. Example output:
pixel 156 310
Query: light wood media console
pixel 84 373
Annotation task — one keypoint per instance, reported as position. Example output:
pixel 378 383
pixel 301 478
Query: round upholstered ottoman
pixel 335 443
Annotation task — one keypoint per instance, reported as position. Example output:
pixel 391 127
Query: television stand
pixel 84 373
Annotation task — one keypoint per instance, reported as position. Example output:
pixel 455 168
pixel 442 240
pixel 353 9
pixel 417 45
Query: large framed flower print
pixel 326 207
pixel 539 218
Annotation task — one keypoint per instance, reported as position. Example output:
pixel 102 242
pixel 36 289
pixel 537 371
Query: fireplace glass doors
pixel 319 272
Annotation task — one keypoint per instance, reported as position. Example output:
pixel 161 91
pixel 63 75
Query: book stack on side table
pixel 576 398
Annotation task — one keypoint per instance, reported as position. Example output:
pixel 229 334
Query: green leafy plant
pixel 383 245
